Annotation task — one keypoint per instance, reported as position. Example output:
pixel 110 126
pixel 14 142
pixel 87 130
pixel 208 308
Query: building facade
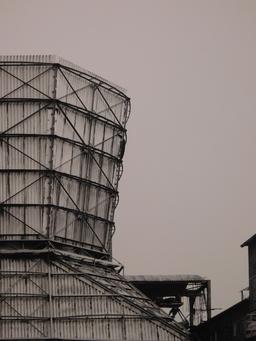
pixel 237 323
pixel 229 325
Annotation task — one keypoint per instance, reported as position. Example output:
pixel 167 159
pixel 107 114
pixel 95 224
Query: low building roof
pixel 167 285
pixel 165 278
pixel 249 241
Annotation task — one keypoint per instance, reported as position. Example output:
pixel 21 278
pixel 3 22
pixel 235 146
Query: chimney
pixel 251 243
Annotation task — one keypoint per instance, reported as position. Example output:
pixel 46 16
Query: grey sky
pixel 188 192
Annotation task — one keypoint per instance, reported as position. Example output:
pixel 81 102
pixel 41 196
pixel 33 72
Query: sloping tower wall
pixel 54 297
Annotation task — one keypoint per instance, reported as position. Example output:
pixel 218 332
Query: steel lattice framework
pixel 62 140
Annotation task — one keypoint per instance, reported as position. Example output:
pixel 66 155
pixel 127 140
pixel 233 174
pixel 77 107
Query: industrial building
pixel 237 323
pixel 225 326
pixel 186 297
pixel 62 140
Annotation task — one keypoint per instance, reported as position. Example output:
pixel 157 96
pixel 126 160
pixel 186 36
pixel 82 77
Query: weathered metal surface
pixel 62 132
pixel 62 139
pixel 57 298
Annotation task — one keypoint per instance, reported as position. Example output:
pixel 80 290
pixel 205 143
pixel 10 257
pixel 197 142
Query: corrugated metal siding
pixel 53 299
pixel 61 137
pixel 43 136
pixel 93 99
pixel 12 113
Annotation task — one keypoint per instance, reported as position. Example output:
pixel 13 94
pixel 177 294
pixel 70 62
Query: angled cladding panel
pixel 78 90
pixel 26 82
pixel 62 133
pixel 49 298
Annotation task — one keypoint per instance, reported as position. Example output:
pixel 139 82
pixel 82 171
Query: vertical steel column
pixel 209 300
pixel 191 310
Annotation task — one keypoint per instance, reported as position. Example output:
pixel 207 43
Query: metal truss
pixel 186 297
pixel 49 279
pixel 112 286
pixel 55 104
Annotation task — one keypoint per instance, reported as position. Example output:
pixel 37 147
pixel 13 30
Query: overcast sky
pixel 188 193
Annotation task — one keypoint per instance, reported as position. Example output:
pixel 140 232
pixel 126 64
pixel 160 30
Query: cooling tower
pixel 62 139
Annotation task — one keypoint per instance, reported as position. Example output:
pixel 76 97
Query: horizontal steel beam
pixel 46 296
pixel 92 115
pixel 79 213
pixel 83 146
pixel 93 79
pixel 52 172
pixel 82 317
